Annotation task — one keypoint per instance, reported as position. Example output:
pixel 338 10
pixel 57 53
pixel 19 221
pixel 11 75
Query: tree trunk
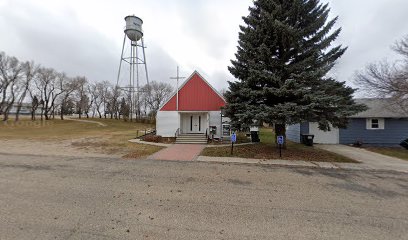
pixel 20 104
pixel 46 111
pixel 62 111
pixel 6 116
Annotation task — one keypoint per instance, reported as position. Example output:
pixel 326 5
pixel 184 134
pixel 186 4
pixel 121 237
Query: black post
pixel 280 150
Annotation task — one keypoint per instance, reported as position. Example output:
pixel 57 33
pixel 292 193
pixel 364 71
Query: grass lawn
pixel 111 139
pixel 267 150
pixel 398 152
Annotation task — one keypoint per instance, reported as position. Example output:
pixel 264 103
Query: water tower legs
pixel 134 61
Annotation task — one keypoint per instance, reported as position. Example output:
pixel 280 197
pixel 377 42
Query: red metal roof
pixel 195 95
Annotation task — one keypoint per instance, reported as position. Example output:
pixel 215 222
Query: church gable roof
pixel 195 94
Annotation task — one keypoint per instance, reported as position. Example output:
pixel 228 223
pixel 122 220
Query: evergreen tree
pixel 124 110
pixel 281 67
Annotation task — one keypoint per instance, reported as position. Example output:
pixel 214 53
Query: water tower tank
pixel 134 28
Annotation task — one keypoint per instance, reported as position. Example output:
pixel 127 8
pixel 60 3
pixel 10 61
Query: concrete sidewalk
pixel 369 160
pixel 178 152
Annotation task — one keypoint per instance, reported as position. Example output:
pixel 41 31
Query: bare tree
pixel 46 84
pixel 10 73
pixel 60 88
pixel 29 70
pixel 96 102
pixel 104 94
pixel 155 94
pixel 387 80
pixel 34 105
pixel 82 98
pixel 114 95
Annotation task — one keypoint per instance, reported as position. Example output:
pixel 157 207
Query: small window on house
pixel 375 123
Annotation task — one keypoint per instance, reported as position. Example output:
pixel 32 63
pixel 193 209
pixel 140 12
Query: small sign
pixel 226 130
pixel 233 137
pixel 281 140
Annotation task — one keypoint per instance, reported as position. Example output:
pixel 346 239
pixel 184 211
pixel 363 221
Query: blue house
pixel 383 124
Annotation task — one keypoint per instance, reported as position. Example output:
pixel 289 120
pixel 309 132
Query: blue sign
pixel 233 137
pixel 281 140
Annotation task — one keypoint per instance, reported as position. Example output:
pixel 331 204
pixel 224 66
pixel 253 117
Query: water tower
pixel 136 56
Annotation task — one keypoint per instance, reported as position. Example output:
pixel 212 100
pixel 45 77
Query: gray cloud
pixel 58 41
pixel 369 29
pixel 61 38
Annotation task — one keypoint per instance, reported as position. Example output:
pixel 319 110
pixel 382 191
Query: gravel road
pixel 46 197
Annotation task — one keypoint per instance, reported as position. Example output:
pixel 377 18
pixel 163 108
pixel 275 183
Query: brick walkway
pixel 180 152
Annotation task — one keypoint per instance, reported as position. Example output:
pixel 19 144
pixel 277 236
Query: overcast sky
pixel 84 37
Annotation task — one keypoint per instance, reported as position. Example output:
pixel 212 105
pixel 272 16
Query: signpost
pixel 233 140
pixel 281 141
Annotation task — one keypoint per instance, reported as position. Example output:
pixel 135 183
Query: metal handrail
pixel 146 131
pixel 177 132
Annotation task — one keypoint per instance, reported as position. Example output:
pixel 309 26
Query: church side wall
pixel 167 123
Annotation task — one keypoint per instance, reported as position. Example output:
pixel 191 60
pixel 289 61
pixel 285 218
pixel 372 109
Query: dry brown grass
pixel 267 150
pixel 110 140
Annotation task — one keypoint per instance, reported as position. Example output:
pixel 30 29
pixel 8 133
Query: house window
pixel 375 123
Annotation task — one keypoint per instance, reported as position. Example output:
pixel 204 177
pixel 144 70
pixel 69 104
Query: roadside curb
pixel 279 162
pixel 228 145
pixel 295 163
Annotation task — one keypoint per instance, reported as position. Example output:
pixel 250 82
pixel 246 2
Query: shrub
pixel 358 143
pixel 153 138
pixel 242 138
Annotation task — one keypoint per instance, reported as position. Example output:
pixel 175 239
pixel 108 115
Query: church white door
pixel 194 123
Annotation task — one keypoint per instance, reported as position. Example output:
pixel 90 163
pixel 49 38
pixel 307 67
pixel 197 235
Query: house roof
pixel 380 108
pixel 195 94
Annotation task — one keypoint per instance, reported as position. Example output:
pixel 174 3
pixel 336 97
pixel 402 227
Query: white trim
pixel 185 82
pixel 381 124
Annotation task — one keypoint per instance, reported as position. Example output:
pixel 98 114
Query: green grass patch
pixel 268 150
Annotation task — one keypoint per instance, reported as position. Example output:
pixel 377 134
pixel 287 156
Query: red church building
pixel 196 109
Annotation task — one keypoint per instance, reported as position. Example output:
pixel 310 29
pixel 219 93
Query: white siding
pixel 329 137
pixel 215 120
pixel 293 133
pixel 167 123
